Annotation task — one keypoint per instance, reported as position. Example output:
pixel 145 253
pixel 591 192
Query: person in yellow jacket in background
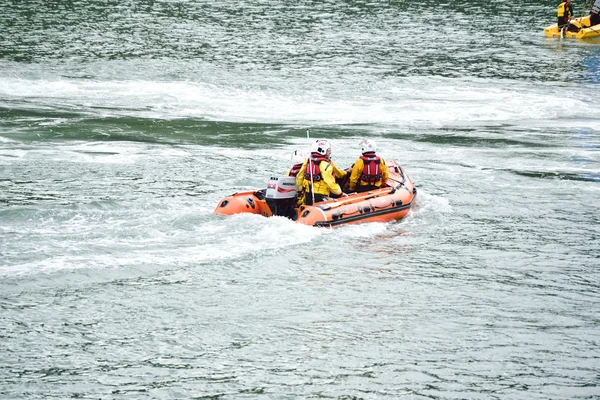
pixel 564 14
pixel 369 171
pixel 317 174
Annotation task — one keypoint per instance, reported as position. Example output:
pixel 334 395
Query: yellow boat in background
pixel 585 30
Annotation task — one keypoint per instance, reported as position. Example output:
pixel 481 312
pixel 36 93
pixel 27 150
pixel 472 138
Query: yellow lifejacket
pixel 562 10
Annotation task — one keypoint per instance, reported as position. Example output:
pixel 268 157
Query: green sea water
pixel 123 123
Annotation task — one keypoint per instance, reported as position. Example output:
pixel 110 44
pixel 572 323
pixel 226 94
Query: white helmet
pixel 367 146
pixel 298 157
pixel 321 147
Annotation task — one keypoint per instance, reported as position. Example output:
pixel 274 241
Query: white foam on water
pixel 12 154
pixel 362 230
pixel 7 140
pixel 102 153
pixel 236 237
pixel 427 203
pixel 431 101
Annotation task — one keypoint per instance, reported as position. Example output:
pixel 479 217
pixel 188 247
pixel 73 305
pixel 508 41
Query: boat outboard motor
pixel 281 196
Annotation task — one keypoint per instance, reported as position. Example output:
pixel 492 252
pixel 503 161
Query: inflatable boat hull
pixel 390 203
pixel 585 30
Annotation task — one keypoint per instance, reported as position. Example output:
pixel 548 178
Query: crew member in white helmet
pixel 317 174
pixel 369 171
pixel 298 159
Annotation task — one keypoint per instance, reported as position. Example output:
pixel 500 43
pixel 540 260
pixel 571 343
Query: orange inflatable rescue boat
pixel 392 202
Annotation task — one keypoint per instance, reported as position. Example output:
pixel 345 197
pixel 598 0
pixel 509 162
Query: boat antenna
pixel 585 6
pixel 312 189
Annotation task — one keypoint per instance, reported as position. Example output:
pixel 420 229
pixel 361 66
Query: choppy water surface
pixel 122 124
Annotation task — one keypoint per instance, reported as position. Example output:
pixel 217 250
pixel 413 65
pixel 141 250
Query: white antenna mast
pixel 312 189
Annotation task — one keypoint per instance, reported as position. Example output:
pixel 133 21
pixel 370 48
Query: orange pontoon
pixel 390 203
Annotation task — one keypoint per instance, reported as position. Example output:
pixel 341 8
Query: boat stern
pixel 244 202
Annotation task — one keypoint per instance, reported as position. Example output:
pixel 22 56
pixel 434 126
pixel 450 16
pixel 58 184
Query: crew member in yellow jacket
pixel 564 13
pixel 369 171
pixel 317 174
